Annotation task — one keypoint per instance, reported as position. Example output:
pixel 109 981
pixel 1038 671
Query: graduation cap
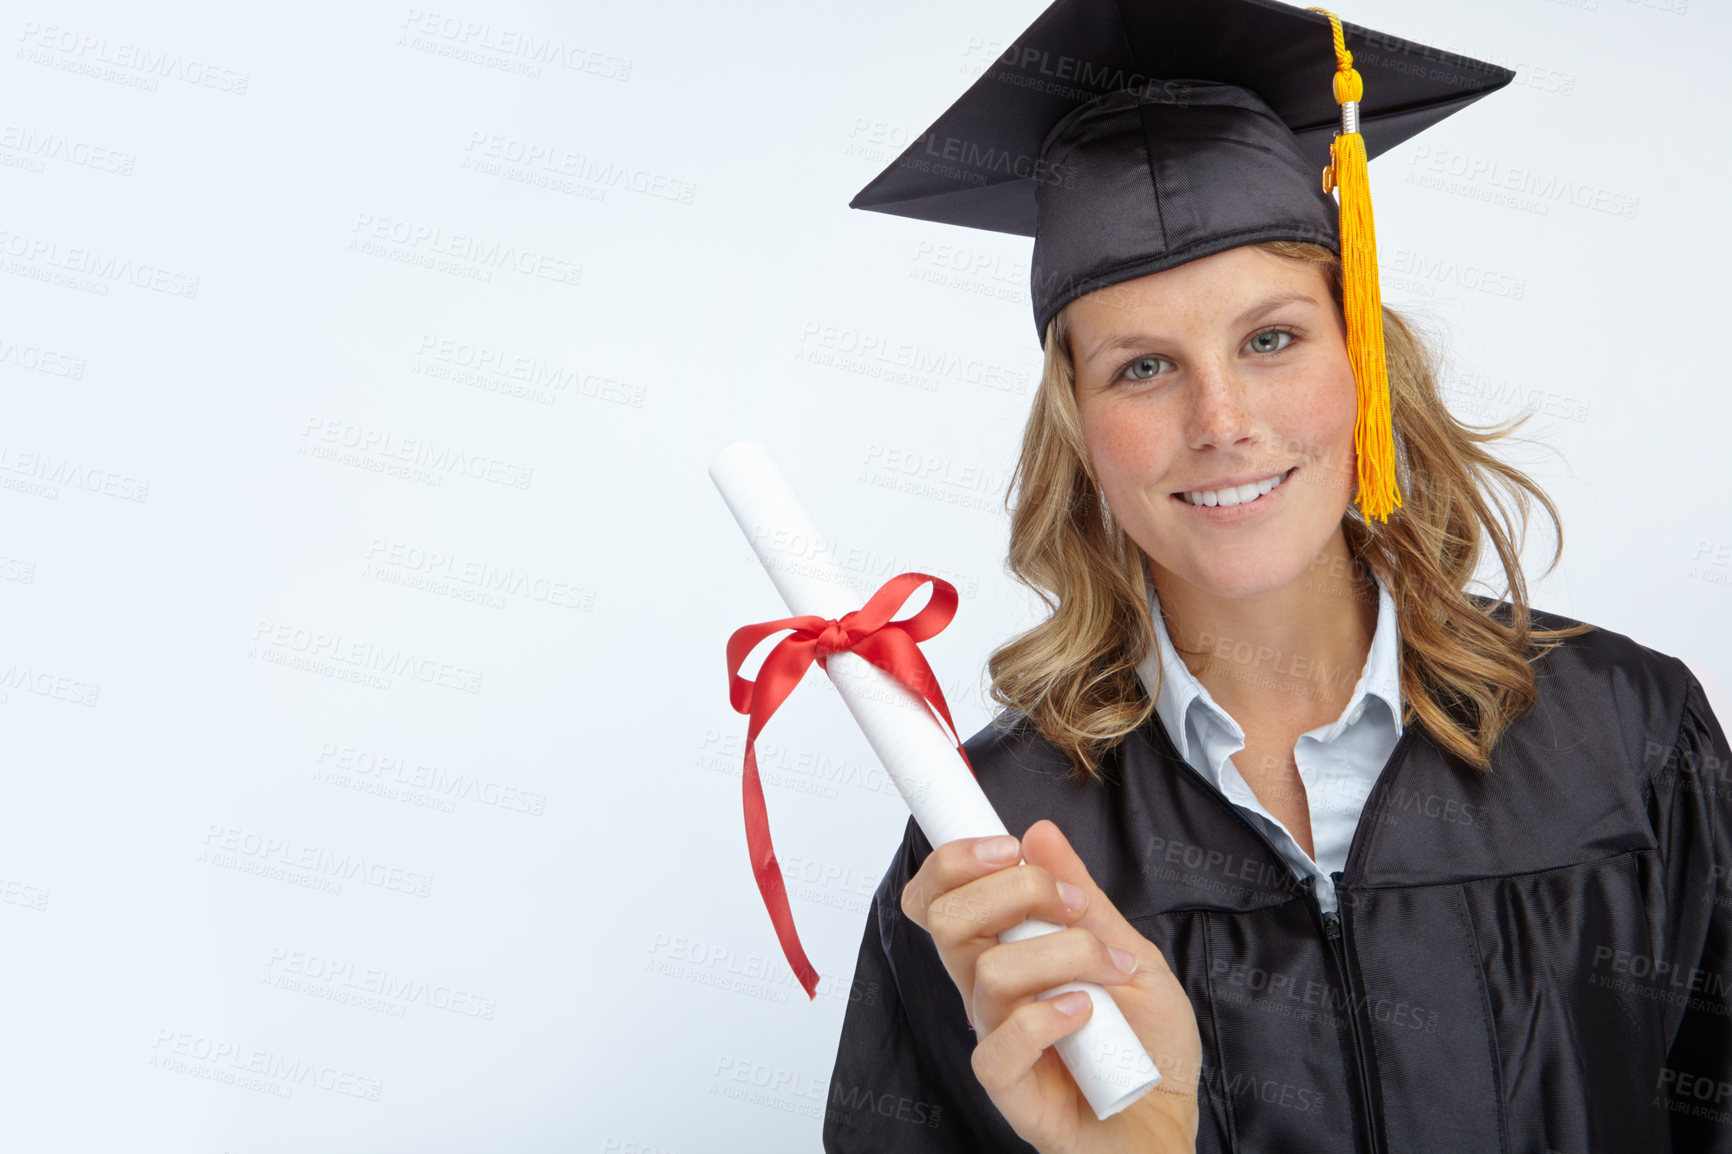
pixel 1131 136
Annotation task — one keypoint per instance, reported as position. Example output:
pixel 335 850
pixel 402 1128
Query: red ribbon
pixel 868 632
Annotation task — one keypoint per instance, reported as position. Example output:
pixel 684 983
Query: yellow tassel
pixel 1373 434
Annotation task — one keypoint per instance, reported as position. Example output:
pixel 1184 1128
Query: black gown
pixel 1535 961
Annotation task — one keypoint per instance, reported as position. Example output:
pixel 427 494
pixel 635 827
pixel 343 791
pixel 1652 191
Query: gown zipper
pixel 1332 928
pixel 1332 921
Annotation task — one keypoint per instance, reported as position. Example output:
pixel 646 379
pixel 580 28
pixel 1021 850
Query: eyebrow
pixel 1255 312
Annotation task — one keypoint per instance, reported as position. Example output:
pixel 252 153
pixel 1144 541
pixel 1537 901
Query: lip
pixel 1238 514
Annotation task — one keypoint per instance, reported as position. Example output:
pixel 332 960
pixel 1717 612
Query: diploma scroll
pixel 1105 1058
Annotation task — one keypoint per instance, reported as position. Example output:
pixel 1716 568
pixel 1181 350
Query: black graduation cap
pixel 1130 136
pixel 1215 116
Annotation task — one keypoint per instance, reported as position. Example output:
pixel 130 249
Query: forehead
pixel 1217 288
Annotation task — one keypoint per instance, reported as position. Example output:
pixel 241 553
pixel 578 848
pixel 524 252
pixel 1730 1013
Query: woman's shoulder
pixel 1602 674
pixel 1597 651
pixel 1024 774
pixel 1027 777
pixel 1008 744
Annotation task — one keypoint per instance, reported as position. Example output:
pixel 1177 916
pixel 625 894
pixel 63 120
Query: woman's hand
pixel 971 890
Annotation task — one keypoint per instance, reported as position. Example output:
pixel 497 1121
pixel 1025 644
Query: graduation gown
pixel 1534 961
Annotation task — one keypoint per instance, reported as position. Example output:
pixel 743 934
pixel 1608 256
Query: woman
pixel 1369 862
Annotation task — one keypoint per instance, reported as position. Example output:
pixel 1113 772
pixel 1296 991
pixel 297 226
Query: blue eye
pixel 1143 368
pixel 1270 341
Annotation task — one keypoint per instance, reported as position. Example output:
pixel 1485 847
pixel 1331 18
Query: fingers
pixel 988 906
pixel 1006 1055
pixel 954 864
pixel 1009 974
pixel 963 894
pixel 1045 845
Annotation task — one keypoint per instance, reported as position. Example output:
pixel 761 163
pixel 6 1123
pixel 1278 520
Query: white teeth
pixel 1237 495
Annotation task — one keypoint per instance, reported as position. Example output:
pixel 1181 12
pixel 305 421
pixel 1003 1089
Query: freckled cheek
pixel 1129 451
pixel 1316 418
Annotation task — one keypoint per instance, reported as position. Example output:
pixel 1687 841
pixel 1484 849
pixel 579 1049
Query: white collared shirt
pixel 1338 763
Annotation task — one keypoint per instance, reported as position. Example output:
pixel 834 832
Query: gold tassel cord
pixel 1373 433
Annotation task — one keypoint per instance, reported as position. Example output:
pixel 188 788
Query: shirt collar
pixel 1179 690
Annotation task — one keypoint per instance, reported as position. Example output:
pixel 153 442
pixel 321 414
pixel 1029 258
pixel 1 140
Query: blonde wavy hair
pixel 1465 672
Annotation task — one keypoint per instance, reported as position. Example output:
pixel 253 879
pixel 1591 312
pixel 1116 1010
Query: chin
pixel 1249 568
pixel 1251 560
pixel 1235 581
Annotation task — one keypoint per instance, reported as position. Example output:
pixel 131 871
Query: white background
pixel 544 933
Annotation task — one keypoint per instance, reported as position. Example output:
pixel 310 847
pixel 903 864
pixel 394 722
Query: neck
pixel 1287 657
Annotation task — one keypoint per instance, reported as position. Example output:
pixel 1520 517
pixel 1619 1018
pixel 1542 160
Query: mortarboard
pixel 1131 136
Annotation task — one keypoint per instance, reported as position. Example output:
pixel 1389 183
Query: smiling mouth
pixel 1237 495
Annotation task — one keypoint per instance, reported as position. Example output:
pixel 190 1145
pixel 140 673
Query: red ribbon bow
pixel 868 632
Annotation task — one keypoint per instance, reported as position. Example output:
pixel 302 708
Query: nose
pixel 1220 413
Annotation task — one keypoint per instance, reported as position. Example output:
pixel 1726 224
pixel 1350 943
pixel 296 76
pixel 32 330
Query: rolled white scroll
pixel 1105 1058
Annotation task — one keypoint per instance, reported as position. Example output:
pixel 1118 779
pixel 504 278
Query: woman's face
pixel 1227 371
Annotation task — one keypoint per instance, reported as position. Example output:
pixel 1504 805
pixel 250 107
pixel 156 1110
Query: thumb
pixel 1046 846
pixel 1154 1001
